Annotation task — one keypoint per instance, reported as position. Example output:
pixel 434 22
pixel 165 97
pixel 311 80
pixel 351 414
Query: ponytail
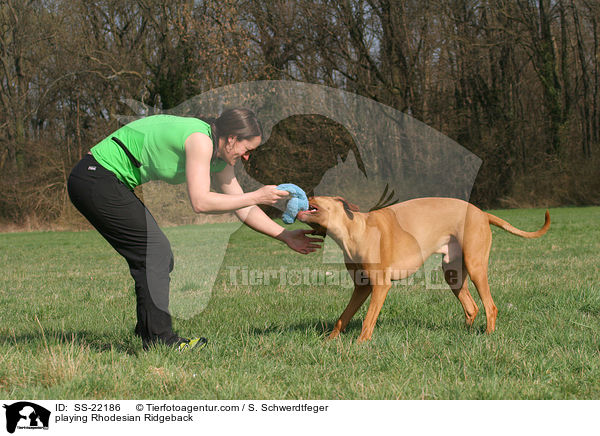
pixel 214 135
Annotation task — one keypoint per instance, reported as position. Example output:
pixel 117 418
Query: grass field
pixel 68 310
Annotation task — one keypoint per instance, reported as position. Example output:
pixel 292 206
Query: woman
pixel 173 149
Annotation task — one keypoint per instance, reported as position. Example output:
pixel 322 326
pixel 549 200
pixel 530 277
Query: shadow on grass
pixel 355 326
pixel 94 341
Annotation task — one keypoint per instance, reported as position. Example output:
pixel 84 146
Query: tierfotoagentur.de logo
pixel 26 416
pixel 385 146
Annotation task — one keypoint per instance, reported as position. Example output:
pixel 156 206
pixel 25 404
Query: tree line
pixel 516 82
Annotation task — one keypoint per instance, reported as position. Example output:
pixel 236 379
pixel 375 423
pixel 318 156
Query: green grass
pixel 68 312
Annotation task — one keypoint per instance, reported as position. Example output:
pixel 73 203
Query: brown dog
pixel 392 243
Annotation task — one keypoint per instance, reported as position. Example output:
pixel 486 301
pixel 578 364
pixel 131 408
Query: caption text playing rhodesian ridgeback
pixel 392 243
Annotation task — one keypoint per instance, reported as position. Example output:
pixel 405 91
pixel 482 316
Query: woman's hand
pixel 298 241
pixel 269 194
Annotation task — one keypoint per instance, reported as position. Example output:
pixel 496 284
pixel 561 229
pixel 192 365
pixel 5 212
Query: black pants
pixel 123 220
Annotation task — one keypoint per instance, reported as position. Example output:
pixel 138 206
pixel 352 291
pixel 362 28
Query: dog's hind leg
pixel 359 296
pixel 479 277
pixel 378 296
pixel 456 276
pixel 477 254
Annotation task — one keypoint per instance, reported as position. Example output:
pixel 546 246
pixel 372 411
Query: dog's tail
pixel 499 222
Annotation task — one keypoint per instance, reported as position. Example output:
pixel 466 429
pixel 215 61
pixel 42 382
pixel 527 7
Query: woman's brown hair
pixel 240 122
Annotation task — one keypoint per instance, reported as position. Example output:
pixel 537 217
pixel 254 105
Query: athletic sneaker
pixel 192 344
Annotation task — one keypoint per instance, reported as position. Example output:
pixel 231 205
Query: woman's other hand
pixel 298 241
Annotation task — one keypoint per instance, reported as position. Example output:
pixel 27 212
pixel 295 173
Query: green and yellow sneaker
pixel 192 344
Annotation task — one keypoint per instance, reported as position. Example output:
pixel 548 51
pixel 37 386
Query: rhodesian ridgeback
pixel 393 242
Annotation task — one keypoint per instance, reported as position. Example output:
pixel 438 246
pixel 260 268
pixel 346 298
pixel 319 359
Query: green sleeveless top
pixel 158 143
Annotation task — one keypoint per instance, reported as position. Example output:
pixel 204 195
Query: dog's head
pixel 327 213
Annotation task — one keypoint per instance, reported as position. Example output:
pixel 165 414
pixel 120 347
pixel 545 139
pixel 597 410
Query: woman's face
pixel 233 149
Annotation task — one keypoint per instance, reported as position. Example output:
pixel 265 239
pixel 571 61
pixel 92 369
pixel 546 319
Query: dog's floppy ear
pixel 348 207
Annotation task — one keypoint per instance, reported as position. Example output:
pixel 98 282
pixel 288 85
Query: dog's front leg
pixel 359 296
pixel 377 298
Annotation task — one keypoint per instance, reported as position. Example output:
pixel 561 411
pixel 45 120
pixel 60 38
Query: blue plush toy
pixel 295 204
